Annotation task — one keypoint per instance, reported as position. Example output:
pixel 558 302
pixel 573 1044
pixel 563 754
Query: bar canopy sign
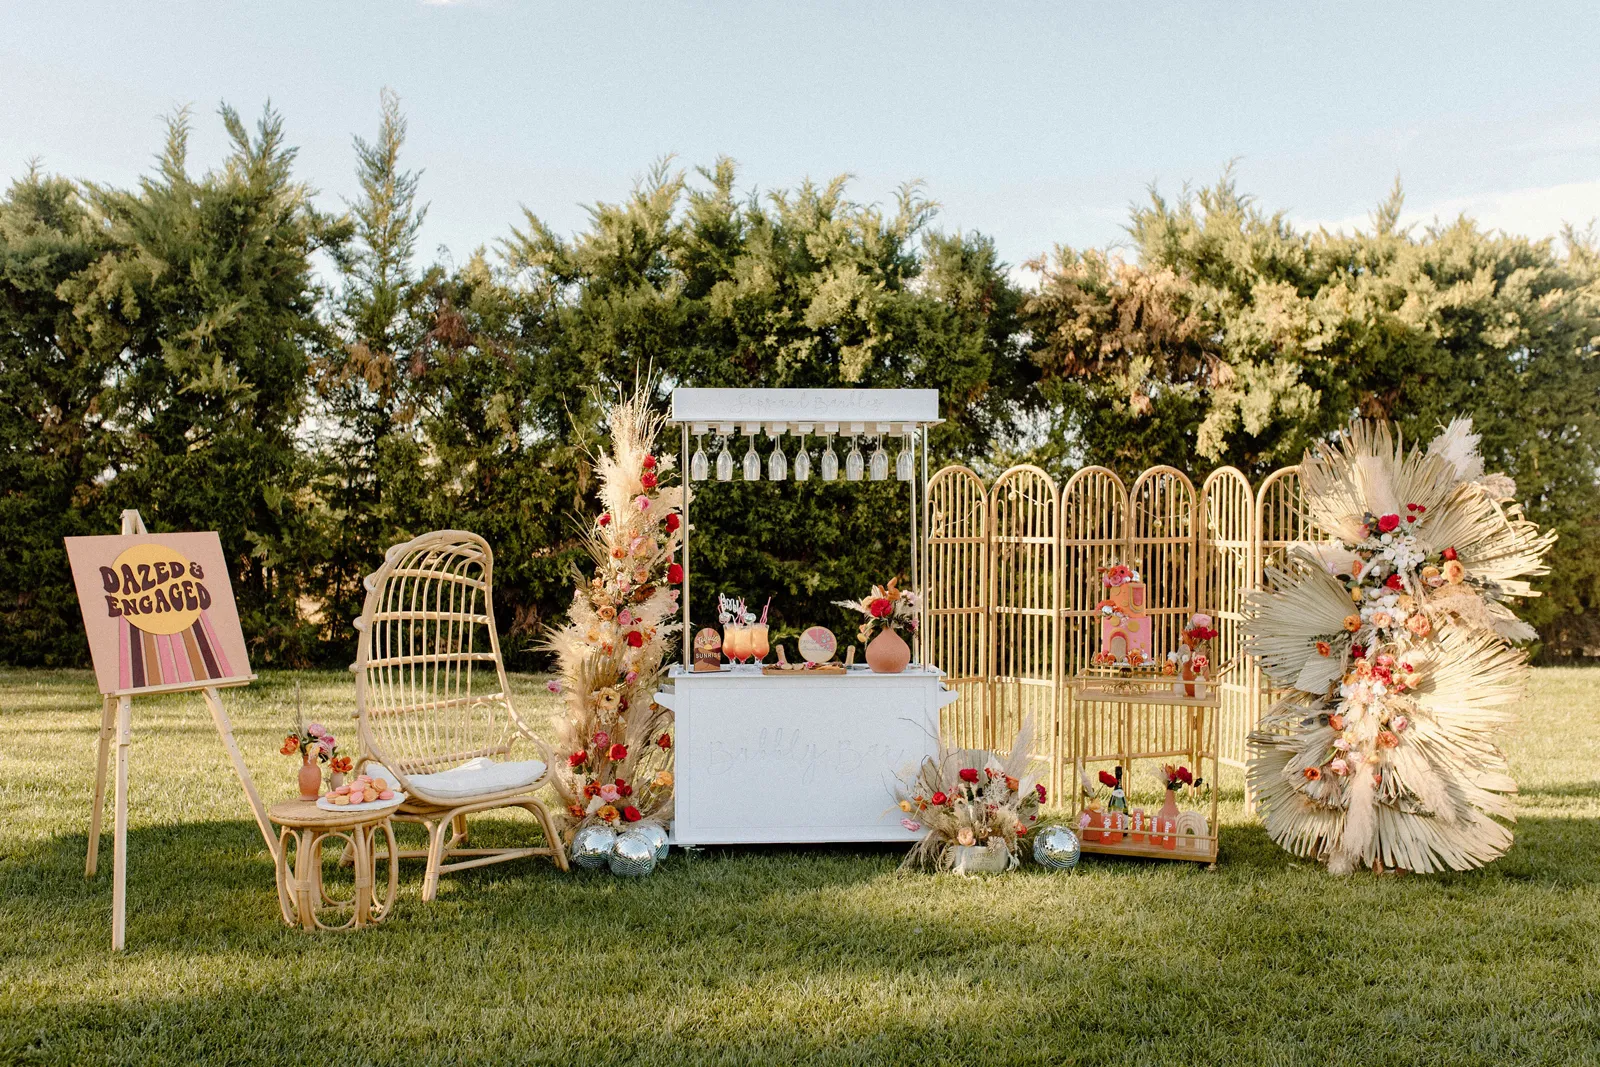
pixel 159 612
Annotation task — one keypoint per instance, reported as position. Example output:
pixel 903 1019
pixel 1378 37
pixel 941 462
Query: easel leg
pixel 225 731
pixel 119 856
pixel 108 719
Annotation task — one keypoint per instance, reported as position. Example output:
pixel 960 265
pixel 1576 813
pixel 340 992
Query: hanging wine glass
pixel 777 463
pixel 699 466
pixel 905 463
pixel 802 461
pixel 830 462
pixel 855 463
pixel 752 462
pixel 724 462
pixel 879 463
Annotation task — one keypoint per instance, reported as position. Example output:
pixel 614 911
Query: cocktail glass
pixel 758 646
pixel 735 643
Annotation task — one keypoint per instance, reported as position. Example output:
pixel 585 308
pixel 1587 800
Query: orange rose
pixel 1336 721
pixel 1324 649
pixel 1352 623
pixel 291 745
pixel 1312 773
pixel 1454 572
pixel 1387 739
pixel 1419 625
pixel 608 813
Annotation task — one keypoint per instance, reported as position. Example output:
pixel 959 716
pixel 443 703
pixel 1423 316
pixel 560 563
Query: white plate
pixel 377 805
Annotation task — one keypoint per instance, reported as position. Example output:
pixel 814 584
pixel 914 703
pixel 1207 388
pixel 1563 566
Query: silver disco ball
pixel 591 847
pixel 657 835
pixel 633 856
pixel 1056 849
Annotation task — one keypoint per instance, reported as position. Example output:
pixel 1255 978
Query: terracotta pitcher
pixel 888 653
pixel 310 779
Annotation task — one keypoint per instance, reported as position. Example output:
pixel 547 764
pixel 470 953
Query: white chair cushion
pixel 474 778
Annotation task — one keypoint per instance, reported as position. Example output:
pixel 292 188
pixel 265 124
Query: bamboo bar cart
pixel 1126 716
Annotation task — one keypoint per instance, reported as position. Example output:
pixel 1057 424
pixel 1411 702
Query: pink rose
pixel 641 502
pixel 911 824
pixel 553 685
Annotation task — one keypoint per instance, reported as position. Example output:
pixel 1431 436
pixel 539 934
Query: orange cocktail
pixel 757 641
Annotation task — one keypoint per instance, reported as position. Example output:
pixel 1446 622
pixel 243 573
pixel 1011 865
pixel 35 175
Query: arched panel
pixel 1163 546
pixel 1227 574
pixel 957 605
pixel 1094 534
pixel 1024 651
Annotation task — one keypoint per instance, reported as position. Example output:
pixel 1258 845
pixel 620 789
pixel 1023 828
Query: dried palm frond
pixel 1300 606
pixel 1367 471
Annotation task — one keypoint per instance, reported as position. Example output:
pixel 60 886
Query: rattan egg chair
pixel 435 713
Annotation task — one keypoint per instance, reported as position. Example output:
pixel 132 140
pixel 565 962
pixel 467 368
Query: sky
pixel 1037 124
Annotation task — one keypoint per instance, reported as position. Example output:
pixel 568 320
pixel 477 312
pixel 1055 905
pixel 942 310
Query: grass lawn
pixel 770 955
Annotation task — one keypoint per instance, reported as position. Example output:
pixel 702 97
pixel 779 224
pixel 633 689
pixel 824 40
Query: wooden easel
pixel 116 716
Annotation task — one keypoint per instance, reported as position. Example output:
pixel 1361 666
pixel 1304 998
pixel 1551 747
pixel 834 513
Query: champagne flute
pixel 724 462
pixel 752 462
pixel 699 466
pixel 880 462
pixel 777 463
pixel 854 463
pixel 830 462
pixel 802 462
pixel 905 462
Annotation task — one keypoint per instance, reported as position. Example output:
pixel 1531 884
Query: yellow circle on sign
pixel 152 579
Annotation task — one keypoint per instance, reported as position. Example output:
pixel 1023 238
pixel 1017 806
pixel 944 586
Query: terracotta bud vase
pixel 888 653
pixel 1167 822
pixel 310 779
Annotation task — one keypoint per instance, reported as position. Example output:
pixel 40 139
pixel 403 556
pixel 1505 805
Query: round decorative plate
pixel 817 645
pixel 377 805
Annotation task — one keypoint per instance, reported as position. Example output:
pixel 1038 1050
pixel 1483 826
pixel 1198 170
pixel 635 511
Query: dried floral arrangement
pixel 887 607
pixel 971 797
pixel 614 738
pixel 1394 636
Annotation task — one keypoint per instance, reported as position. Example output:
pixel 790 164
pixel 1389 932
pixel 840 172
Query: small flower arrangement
pixel 314 742
pixel 971 797
pixel 1176 777
pixel 1119 574
pixel 887 607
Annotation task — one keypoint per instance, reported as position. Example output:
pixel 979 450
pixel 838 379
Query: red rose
pixel 881 607
pixel 673 522
pixel 1411 518
pixel 1039 788
pixel 1387 523
pixel 1108 779
pixel 665 741
pixel 649 463
pixel 939 798
pixel 605 518
pixel 624 789
pixel 1358 651
pixel 1411 507
pixel 647 480
pixel 618 752
pixel 635 638
pixel 631 813
pixel 1449 553
pixel 577 758
pixel 1185 775
pixel 969 774
pixel 675 573
pixel 1394 582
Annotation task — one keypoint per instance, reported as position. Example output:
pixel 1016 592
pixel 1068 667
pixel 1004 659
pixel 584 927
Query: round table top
pixel 305 814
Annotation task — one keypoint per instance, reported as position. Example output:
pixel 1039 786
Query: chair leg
pixel 436 847
pixel 458 827
pixel 557 851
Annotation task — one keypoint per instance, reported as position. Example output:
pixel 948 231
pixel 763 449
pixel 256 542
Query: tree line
pixel 222 352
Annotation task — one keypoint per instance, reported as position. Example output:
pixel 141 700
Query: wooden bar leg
pixel 119 841
pixel 108 720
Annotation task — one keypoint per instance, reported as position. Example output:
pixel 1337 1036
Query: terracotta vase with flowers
pixel 889 611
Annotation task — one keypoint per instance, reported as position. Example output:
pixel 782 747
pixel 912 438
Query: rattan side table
pixel 303 899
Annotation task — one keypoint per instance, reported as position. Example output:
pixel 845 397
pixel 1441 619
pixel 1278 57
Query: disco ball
pixel 592 846
pixel 657 835
pixel 1056 849
pixel 633 856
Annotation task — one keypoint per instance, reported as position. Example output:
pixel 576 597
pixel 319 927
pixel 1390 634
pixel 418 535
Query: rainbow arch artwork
pixel 158 611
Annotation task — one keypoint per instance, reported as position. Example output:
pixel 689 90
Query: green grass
pixel 770 955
